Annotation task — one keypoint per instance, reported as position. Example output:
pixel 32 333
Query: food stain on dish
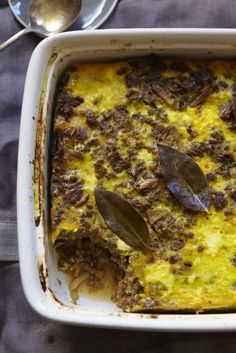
pixel 43 275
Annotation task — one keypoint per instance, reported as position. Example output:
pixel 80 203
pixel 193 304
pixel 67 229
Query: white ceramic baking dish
pixel 45 287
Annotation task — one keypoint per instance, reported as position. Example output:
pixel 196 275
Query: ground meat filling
pixel 129 292
pixel 87 259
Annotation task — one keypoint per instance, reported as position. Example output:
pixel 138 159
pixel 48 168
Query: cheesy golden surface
pixel 109 118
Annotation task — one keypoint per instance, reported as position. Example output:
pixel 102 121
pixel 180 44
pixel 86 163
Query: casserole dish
pixel 45 287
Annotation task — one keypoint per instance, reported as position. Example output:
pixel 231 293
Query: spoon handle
pixel 15 37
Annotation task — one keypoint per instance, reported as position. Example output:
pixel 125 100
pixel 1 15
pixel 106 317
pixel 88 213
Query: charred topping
pixel 100 170
pixel 58 144
pixel 116 161
pixel 202 97
pixel 228 114
pixel 211 177
pixel 188 264
pixel 175 258
pixel 168 135
pixel 80 134
pixel 219 200
pixel 197 149
pixel 200 248
pixel 231 190
pixel 91 118
pixel 73 193
pixel 218 149
pixel 177 245
pixel 178 90
pixel 67 103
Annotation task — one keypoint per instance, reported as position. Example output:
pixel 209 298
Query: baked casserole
pixel 112 121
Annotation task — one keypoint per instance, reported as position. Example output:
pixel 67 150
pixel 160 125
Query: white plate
pixel 38 271
pixel 92 15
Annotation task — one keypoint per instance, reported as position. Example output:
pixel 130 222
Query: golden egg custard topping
pixel 109 120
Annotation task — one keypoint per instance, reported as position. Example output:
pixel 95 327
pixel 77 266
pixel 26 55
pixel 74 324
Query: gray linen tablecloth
pixel 22 330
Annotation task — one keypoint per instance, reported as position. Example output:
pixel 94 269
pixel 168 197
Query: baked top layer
pixel 109 118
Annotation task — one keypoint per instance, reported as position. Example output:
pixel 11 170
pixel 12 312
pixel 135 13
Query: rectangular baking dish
pixel 45 287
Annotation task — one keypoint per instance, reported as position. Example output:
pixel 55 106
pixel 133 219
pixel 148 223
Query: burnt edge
pixel 43 275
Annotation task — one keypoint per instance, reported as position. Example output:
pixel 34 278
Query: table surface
pixel 21 329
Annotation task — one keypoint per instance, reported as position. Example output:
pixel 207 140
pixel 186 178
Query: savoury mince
pixel 109 120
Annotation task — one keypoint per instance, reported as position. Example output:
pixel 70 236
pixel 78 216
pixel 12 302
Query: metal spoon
pixel 48 17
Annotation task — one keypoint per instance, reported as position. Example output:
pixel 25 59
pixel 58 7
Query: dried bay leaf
pixel 185 179
pixel 123 219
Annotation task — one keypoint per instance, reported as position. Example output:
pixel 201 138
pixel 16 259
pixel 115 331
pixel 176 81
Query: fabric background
pixel 22 330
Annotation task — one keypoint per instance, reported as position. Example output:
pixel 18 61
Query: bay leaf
pixel 185 179
pixel 122 219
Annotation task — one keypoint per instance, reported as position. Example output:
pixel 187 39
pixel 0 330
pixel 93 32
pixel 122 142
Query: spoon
pixel 47 17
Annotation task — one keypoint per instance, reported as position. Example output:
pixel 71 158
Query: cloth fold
pixel 8 241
